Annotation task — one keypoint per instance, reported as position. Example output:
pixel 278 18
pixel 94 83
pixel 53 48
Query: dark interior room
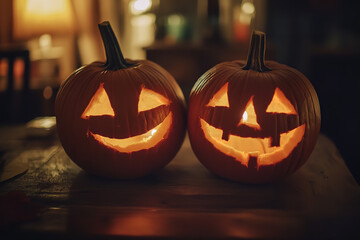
pixel 148 119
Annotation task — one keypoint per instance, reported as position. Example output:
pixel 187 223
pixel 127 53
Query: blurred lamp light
pixel 243 15
pixel 248 7
pixel 244 19
pixel 143 29
pixel 45 41
pixel 33 18
pixel 140 6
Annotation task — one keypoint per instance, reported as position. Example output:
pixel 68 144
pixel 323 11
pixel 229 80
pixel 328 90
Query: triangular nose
pixel 249 116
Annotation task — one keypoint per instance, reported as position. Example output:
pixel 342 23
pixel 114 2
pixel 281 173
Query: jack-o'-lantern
pixel 122 118
pixel 253 121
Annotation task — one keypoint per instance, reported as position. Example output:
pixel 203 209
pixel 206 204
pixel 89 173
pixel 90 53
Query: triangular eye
pixel 249 116
pixel 99 104
pixel 149 99
pixel 220 98
pixel 280 104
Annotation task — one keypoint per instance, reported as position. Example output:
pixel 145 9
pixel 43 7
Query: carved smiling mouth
pixel 242 148
pixel 140 142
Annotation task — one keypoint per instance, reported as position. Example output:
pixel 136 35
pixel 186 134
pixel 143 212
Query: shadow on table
pixel 185 200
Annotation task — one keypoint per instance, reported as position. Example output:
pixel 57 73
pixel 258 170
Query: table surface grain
pixel 184 200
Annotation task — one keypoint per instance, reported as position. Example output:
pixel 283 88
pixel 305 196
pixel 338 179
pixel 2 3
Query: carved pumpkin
pixel 253 122
pixel 122 118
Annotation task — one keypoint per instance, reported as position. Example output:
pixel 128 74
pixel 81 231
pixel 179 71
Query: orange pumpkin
pixel 122 118
pixel 253 121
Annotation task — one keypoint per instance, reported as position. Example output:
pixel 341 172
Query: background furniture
pixel 187 62
pixel 14 99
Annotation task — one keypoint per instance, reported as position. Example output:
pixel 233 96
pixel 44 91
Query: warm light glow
pixel 142 33
pixel 243 15
pixel 248 8
pixel 45 41
pixel 140 6
pixel 249 116
pixel 220 98
pixel 4 65
pixel 99 104
pixel 33 18
pixel 149 99
pixel 244 19
pixel 280 104
pixel 143 21
pixel 241 148
pixel 140 142
pixel 45 6
pixel 245 116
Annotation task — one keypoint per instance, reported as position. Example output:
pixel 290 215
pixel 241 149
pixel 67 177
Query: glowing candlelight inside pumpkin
pixel 245 116
pixel 249 116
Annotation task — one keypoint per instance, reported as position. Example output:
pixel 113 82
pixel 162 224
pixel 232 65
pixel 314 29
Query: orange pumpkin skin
pixel 279 132
pixel 82 130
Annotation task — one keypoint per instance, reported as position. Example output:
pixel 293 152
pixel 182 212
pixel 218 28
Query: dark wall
pixel 322 40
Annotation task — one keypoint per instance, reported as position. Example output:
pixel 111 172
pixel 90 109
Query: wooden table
pixel 184 200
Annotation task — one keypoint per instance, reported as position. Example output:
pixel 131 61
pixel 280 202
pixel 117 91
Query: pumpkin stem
pixel 114 57
pixel 256 57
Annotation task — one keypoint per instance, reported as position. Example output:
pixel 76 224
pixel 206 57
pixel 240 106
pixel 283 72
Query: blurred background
pixel 43 41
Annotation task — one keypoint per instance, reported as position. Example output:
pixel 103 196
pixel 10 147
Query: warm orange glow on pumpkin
pixel 140 142
pixel 249 116
pixel 220 98
pixel 280 104
pixel 149 99
pixel 267 124
pixel 242 148
pixel 99 104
